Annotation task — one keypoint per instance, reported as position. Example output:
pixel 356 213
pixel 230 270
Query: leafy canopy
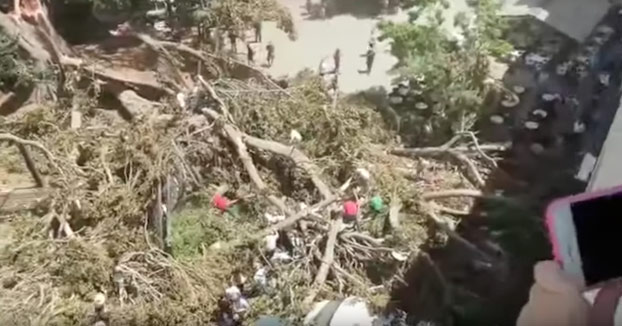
pixel 447 67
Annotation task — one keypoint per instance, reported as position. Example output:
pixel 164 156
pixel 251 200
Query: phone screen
pixel 598 226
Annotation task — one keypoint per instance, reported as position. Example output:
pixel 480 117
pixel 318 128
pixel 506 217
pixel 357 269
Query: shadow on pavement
pixel 320 9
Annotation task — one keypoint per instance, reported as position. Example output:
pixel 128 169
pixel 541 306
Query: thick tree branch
pixel 20 141
pixel 438 150
pixel 444 225
pixel 327 261
pixel 235 136
pixel 296 217
pixel 204 56
pixel 452 193
pixel 275 147
pixel 296 155
pixel 470 167
pixel 145 83
pixel 223 107
pixel 30 164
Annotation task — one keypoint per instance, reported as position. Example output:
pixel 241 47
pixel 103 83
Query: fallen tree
pixel 110 223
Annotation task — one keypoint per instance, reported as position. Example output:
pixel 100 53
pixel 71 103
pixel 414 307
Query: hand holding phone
pixel 586 234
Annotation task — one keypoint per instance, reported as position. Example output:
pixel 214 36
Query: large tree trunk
pixel 38 41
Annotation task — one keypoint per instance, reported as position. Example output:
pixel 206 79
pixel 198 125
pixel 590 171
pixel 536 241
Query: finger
pixel 550 277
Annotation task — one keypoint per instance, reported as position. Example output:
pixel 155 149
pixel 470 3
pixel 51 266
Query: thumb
pixel 554 300
pixel 550 277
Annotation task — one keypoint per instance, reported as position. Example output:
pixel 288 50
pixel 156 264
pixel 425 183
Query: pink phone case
pixel 550 223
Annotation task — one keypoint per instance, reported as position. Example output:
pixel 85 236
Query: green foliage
pixel 14 71
pixel 518 229
pixel 337 137
pixel 489 27
pixel 225 14
pixel 195 228
pixel 446 73
pixel 241 15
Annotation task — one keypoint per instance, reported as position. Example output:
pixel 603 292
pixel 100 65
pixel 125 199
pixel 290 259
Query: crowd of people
pixel 215 40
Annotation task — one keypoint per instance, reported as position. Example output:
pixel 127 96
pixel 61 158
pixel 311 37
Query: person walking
pixel 370 55
pixel 257 28
pixel 250 54
pixel 270 50
pixel 219 40
pixel 337 60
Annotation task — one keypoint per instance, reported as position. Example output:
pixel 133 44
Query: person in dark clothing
pixel 233 37
pixel 257 28
pixel 270 50
pixel 337 60
pixel 250 54
pixel 370 55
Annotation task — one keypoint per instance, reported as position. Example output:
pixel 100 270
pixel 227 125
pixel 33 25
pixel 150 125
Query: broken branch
pixel 470 167
pixel 297 156
pixel 437 150
pixel 327 261
pixel 275 147
pixel 39 146
pixel 30 164
pixel 235 136
pixel 444 225
pixel 394 214
pixel 452 193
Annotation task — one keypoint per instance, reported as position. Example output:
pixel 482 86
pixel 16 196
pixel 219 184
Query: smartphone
pixel 586 233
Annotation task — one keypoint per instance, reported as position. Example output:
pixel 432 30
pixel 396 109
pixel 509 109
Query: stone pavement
pixel 318 39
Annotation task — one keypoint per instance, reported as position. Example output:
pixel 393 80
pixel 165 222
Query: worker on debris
pixel 257 28
pixel 337 60
pixel 334 83
pixel 270 50
pixel 322 10
pixel 250 54
pixel 233 37
pixel 219 39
